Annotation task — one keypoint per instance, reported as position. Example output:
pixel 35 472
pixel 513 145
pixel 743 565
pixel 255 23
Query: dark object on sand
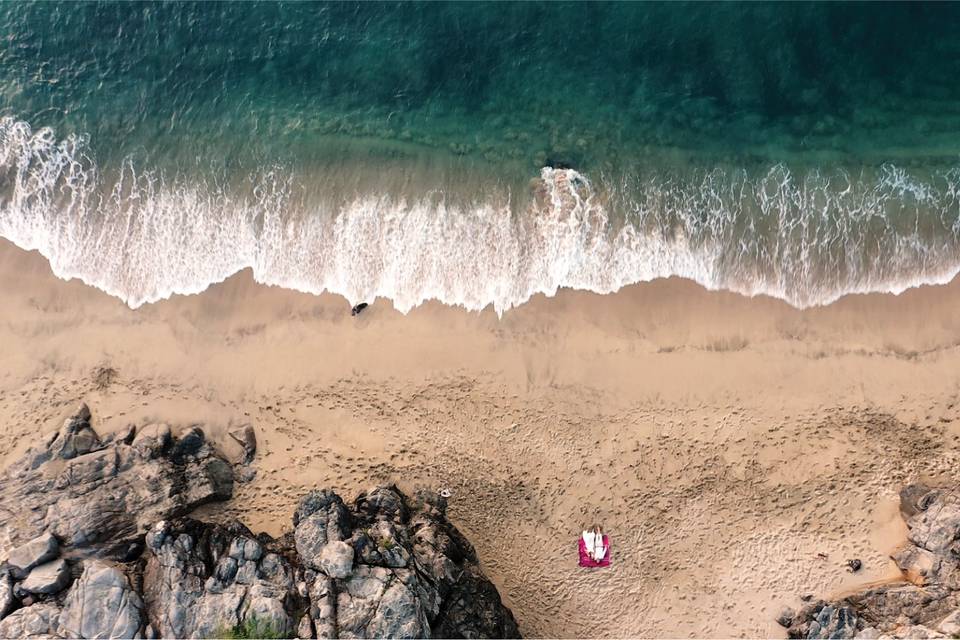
pixel 854 565
pixel 357 309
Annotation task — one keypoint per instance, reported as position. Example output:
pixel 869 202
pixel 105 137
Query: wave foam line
pixel 807 240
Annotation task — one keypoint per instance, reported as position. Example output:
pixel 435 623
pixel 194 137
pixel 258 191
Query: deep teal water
pixel 796 149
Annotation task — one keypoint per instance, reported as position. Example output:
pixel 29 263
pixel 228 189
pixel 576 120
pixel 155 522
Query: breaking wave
pixel 807 238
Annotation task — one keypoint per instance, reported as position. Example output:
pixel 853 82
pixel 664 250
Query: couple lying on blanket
pixel 594 548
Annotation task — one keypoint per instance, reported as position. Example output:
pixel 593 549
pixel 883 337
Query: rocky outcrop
pixel 100 546
pixel 201 578
pixel 102 496
pixel 385 567
pixel 925 605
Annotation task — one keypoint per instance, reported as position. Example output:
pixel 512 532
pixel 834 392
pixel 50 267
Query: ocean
pixel 481 153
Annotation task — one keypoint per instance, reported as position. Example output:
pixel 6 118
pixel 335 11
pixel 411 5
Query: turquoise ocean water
pixel 479 153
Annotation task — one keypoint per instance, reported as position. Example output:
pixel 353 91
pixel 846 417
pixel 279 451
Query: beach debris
pixel 358 308
pixel 854 565
pixel 822 555
pixel 445 493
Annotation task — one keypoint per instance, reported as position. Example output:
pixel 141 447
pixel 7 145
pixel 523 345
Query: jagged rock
pixel 204 578
pixel 882 606
pixel 36 622
pixel 834 623
pixel 384 566
pixel 320 518
pixel 323 607
pixel 247 439
pixel 52 577
pixel 103 500
pixel 377 602
pixel 305 628
pixel 336 559
pixel 25 557
pixel 382 543
pixel 473 609
pixel 101 605
pixel 381 503
pixel 785 619
pixel 76 438
pixel 190 444
pixel 153 439
pixel 918 564
pixel 245 474
pixel 6 592
pixel 937 527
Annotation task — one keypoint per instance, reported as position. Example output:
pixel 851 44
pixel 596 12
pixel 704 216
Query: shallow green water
pixel 801 150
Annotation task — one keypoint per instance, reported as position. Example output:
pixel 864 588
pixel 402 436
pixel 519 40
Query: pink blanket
pixel 587 561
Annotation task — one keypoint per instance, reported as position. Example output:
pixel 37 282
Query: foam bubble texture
pixel 805 239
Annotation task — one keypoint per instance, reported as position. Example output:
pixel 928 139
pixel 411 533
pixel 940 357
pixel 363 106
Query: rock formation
pixel 98 544
pixel 926 604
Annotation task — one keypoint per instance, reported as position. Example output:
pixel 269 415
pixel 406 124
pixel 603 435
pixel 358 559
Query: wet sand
pixel 723 442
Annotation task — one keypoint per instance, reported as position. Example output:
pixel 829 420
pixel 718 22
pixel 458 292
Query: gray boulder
pixel 322 613
pixel 378 602
pixel 247 439
pixel 835 623
pixel 76 438
pixel 414 575
pixel 102 604
pixel 103 497
pixel 204 579
pixel 36 622
pixel 320 518
pixel 37 551
pixel 6 593
pixel 153 440
pixel 52 577
pixel 336 559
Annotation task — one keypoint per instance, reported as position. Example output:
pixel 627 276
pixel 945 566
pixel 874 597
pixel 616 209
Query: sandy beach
pixel 738 451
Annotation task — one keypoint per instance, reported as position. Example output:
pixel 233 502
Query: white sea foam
pixel 807 240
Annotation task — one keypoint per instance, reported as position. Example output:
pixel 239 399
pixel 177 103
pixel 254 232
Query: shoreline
pixel 723 441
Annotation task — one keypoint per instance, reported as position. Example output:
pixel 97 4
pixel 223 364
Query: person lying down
pixel 594 548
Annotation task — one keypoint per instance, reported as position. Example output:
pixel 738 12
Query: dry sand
pixel 723 442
